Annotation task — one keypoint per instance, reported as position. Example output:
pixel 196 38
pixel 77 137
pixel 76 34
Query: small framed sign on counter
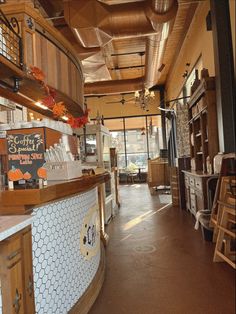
pixel 25 157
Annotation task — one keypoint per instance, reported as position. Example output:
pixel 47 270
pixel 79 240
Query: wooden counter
pixel 22 200
pixel 65 257
pixel 12 224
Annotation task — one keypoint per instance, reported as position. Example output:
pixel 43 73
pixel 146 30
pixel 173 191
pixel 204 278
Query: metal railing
pixel 10 40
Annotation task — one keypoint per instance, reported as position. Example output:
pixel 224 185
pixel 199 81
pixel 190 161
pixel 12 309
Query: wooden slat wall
pixel 52 65
pixel 61 73
pixel 73 81
pixel 44 58
pixel 37 51
pixel 29 44
pixel 64 83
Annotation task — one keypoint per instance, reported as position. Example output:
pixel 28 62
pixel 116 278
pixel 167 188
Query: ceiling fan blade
pixel 122 101
pixel 113 102
pixel 130 99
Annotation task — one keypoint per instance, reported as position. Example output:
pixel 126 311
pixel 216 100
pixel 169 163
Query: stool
pixel 225 244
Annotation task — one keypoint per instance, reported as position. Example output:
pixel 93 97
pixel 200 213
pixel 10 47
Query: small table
pixel 131 176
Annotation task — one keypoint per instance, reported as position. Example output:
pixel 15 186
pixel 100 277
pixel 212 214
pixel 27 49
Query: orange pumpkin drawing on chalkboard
pixel 42 173
pixel 15 174
pixel 27 175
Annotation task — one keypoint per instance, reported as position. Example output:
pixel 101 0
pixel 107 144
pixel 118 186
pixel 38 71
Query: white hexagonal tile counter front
pixel 61 272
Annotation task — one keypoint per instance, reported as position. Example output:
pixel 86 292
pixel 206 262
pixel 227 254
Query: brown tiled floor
pixel 158 264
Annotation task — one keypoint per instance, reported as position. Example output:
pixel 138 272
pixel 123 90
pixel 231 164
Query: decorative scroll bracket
pixel 12 24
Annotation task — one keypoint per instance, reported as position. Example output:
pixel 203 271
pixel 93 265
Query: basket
pixel 65 170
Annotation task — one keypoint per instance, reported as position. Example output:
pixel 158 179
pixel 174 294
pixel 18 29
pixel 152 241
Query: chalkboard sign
pixel 25 156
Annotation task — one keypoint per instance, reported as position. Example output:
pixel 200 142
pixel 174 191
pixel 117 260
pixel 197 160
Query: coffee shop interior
pixel 117 156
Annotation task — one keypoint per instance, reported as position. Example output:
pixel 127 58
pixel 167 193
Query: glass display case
pixel 95 145
pixel 95 142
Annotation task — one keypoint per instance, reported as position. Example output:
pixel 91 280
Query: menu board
pixel 25 156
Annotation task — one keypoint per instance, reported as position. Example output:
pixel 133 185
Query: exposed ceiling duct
pixel 95 24
pixel 91 19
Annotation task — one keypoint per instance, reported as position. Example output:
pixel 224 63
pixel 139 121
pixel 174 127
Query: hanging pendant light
pixel 145 95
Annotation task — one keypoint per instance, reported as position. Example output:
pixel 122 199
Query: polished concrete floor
pixel 158 264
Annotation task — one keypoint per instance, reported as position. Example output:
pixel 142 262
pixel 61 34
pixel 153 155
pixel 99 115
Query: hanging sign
pixel 25 157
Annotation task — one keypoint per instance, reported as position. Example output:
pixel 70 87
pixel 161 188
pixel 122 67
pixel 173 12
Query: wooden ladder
pixel 224 197
pixel 226 236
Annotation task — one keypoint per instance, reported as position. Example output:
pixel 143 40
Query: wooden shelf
pixel 198 115
pixel 206 84
pixel 204 123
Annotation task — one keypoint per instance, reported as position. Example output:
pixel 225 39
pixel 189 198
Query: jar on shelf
pixel 196 82
pixel 217 162
pixel 193 164
pixel 192 139
pixel 204 73
pixel 208 165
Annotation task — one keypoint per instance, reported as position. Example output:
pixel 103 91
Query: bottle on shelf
pixel 196 82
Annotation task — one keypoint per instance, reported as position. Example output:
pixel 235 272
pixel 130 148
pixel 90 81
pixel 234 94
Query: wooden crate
pixel 158 172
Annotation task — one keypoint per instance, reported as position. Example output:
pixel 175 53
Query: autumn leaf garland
pixel 37 73
pixel 59 109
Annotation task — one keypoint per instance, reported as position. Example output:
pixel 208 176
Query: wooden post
pixel 224 69
pixel 101 201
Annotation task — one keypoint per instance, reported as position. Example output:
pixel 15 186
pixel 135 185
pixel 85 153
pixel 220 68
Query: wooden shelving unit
pixel 203 134
pixel 203 129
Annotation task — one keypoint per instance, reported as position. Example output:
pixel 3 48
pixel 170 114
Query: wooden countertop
pixel 10 225
pixel 199 173
pixel 21 201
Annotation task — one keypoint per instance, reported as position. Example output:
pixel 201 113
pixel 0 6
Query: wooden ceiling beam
pixel 48 7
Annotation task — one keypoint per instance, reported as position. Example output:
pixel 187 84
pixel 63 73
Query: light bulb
pixel 136 94
pixel 146 92
pixel 40 105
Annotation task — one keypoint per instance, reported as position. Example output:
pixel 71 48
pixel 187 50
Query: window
pixel 136 139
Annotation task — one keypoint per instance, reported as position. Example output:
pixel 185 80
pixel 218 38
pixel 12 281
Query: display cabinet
pixel 203 133
pixel 95 145
pixel 95 151
pixel 203 130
